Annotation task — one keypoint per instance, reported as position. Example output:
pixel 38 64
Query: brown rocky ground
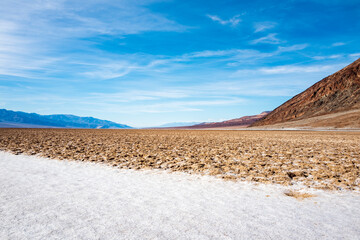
pixel 327 160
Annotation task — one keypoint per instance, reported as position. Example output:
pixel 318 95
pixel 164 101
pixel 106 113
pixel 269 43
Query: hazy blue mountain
pixel 178 124
pixel 10 118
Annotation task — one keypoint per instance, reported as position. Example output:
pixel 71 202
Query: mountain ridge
pixel 241 122
pixel 9 118
pixel 176 124
pixel 335 93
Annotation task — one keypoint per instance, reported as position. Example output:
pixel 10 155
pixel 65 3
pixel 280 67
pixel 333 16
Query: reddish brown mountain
pixel 233 123
pixel 336 93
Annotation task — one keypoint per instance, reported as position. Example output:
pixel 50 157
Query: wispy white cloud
pixel 259 86
pixel 211 53
pixel 262 26
pixel 286 69
pixel 244 53
pixel 292 48
pixel 338 44
pixel 183 106
pixel 355 55
pixel 334 56
pixel 270 39
pixel 139 95
pixel 40 32
pixel 188 105
pixel 337 56
pixel 293 69
pixel 169 106
pixel 222 53
pixel 78 18
pixel 235 20
pixel 103 70
pixel 109 70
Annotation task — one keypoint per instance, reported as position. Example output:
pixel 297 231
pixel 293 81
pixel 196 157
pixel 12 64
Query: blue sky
pixel 146 63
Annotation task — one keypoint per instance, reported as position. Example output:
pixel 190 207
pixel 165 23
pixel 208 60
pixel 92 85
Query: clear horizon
pixel 148 63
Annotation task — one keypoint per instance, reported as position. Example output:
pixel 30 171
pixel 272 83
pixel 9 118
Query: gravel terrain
pixel 325 160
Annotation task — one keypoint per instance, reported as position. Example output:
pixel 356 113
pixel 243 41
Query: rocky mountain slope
pixel 335 93
pixel 32 120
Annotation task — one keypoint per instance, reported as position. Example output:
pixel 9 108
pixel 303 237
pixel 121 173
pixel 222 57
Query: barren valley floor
pixel 325 160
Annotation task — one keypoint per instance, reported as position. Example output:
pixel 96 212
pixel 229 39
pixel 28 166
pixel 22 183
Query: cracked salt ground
pixel 50 199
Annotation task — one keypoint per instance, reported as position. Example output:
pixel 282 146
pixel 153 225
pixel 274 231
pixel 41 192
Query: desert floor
pixel 323 160
pixel 50 199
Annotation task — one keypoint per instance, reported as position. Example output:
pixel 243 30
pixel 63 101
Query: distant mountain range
pixel 14 119
pixel 332 102
pixel 242 122
pixel 177 124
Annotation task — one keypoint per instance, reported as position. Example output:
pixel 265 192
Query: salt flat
pixel 51 199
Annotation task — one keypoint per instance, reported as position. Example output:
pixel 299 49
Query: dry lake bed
pixel 323 160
